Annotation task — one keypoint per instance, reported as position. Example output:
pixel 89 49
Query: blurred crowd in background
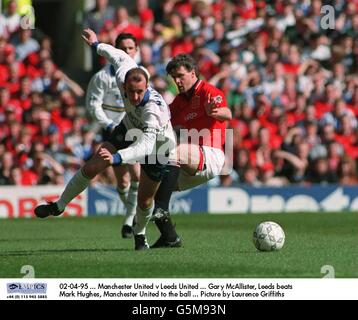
pixel 291 83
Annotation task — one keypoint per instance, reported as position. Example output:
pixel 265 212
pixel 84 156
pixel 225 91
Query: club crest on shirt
pixel 218 99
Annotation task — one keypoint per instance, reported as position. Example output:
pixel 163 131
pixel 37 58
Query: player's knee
pixel 122 176
pixel 135 178
pixel 89 171
pixel 135 172
pixel 122 179
pixel 122 184
pixel 94 166
pixel 144 203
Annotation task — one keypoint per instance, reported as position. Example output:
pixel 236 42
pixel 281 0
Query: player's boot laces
pixel 45 210
pixel 163 242
pixel 127 231
pixel 140 242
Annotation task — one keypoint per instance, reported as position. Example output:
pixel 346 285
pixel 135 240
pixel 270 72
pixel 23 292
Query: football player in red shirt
pixel 199 114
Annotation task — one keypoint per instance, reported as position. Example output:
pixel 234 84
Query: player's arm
pixel 94 100
pixel 216 107
pixel 120 60
pixel 220 113
pixel 144 145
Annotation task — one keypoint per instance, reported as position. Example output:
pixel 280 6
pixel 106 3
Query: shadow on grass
pixel 56 251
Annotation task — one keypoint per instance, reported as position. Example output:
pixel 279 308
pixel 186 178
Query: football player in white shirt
pixel 105 104
pixel 147 121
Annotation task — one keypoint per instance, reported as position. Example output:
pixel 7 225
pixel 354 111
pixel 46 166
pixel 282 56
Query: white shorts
pixel 214 160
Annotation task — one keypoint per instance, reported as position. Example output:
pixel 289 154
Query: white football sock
pixel 74 187
pixel 131 203
pixel 143 217
pixel 123 194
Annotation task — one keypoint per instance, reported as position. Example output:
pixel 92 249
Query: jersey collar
pixel 194 89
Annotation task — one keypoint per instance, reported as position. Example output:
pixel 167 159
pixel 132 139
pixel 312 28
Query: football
pixel 268 236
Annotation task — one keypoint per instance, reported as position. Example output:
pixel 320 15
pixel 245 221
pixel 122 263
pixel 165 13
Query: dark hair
pixel 135 75
pixel 182 60
pixel 124 36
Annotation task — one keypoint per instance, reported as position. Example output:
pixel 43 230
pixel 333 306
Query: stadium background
pixel 291 83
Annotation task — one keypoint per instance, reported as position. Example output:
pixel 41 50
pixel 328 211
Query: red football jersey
pixel 188 111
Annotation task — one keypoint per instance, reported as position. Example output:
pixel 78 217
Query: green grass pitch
pixel 214 246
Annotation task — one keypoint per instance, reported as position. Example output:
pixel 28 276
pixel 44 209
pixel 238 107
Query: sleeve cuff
pixel 95 45
pixel 117 159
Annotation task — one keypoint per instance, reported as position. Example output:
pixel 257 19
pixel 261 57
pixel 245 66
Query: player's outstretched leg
pixel 76 185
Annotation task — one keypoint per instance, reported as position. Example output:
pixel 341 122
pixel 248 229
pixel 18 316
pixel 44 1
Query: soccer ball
pixel 268 236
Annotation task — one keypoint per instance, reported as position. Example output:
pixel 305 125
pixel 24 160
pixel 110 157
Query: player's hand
pixel 106 155
pixel 89 36
pixel 58 75
pixel 211 106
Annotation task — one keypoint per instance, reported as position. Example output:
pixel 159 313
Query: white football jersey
pixel 103 99
pixel 151 117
